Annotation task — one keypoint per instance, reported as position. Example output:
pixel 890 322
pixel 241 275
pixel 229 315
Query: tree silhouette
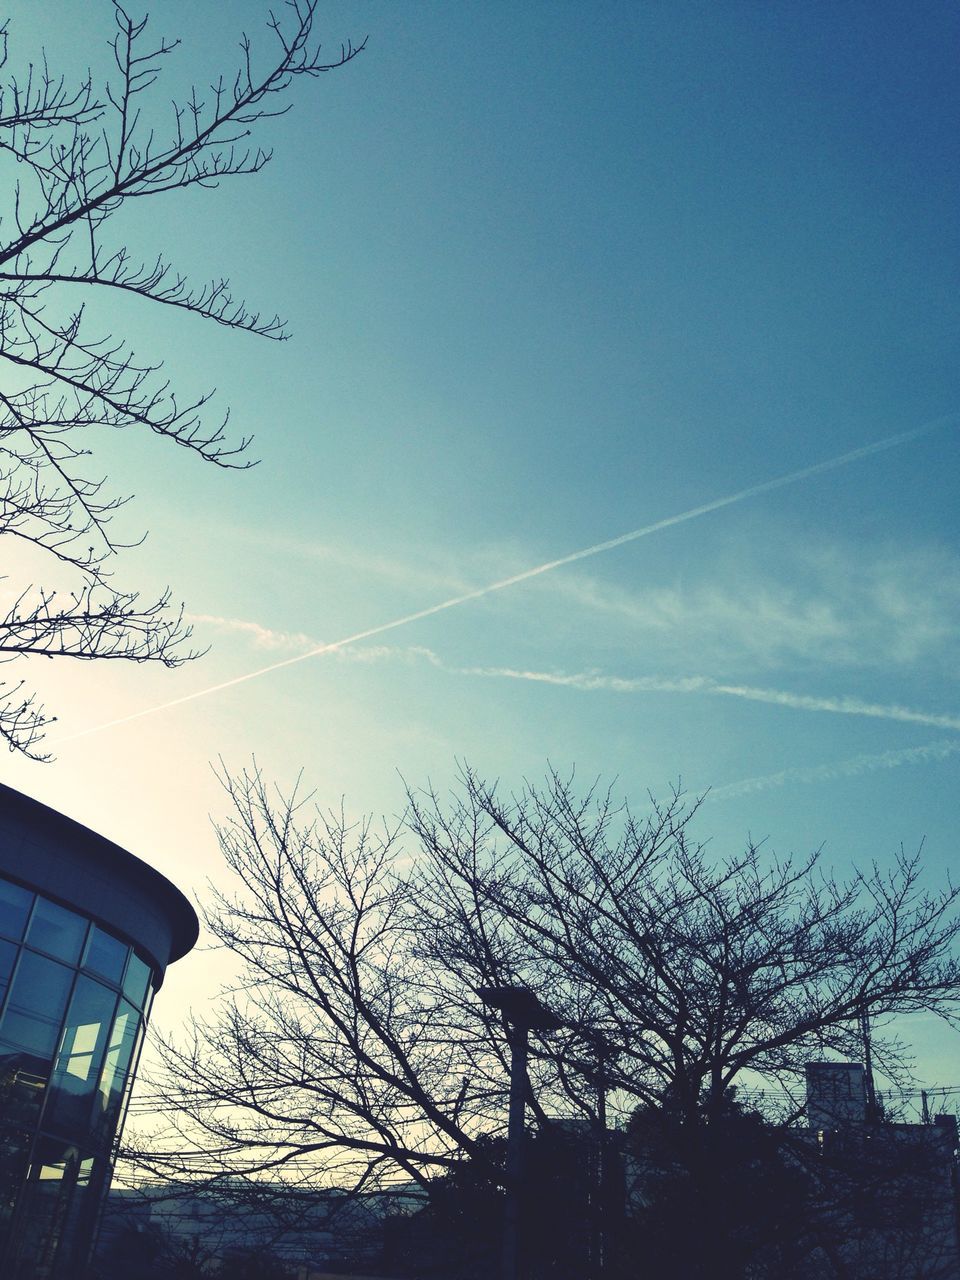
pixel 72 156
pixel 354 1046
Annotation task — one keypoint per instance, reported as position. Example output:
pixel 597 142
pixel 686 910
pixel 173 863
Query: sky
pixel 555 273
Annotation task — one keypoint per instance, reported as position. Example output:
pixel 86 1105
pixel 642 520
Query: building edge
pixel 59 857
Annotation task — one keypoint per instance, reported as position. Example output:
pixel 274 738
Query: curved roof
pixel 65 860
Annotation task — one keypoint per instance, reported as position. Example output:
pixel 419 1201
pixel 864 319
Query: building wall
pixel 76 982
pixel 836 1094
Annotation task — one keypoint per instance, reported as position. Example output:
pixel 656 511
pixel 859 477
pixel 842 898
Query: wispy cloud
pixel 526 575
pixel 261 636
pixel 599 682
pixel 843 606
pixel 853 766
pixel 426 572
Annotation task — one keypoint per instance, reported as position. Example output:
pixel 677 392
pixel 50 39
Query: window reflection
pixel 105 954
pixel 23 1079
pixel 14 909
pixel 36 1003
pixel 135 983
pixel 46 1196
pixel 81 1053
pixel 14 1145
pixel 68 1043
pixel 8 954
pixel 56 930
pixel 123 1037
pixel 78 1225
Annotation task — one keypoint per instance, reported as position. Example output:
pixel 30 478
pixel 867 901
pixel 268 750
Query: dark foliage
pixel 459 1233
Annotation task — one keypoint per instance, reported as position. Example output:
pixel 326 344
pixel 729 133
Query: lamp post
pixel 604 1052
pixel 594 1068
pixel 523 1013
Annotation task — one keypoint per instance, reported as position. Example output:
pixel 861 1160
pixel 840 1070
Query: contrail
pixel 851 767
pixel 592 681
pixel 753 491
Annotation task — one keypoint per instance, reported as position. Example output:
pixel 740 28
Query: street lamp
pixel 524 1013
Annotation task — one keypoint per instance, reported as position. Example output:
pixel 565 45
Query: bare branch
pixel 80 153
pixel 355 1037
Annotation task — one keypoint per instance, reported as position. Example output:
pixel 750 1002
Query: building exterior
pixel 836 1094
pixel 86 933
pixel 890 1191
pixel 265 1230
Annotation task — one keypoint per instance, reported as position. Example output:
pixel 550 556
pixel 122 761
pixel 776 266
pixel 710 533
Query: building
pixel 86 933
pixel 836 1094
pixel 890 1191
pixel 268 1228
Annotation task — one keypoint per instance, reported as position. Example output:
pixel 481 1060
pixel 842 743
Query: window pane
pixel 45 1200
pixel 148 1003
pixel 56 930
pixel 105 955
pixel 36 1003
pixel 8 953
pixel 135 983
pixel 14 1148
pixel 14 909
pixel 77 1066
pixel 23 1079
pixel 79 1225
pixel 123 1037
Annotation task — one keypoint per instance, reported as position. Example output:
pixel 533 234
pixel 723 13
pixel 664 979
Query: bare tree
pixel 695 968
pixel 72 155
pixel 356 1045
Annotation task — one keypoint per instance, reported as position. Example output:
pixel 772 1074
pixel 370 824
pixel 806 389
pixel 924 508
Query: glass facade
pixel 74 1000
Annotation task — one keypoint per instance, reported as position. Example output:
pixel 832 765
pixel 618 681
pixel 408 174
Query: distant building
pixel 86 933
pixel 311 1233
pixel 836 1094
pixel 891 1191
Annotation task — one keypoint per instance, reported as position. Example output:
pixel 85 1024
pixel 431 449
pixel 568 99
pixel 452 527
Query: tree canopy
pixel 355 1044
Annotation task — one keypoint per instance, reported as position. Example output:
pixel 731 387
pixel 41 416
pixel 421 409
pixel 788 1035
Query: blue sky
pixel 553 273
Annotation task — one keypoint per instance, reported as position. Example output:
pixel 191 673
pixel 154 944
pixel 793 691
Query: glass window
pixel 116 1065
pixel 78 1062
pixel 105 955
pixel 56 930
pixel 135 983
pixel 23 1080
pixel 148 1003
pixel 14 1147
pixel 128 1091
pixel 79 1224
pixel 45 1200
pixel 8 953
pixel 14 909
pixel 36 1003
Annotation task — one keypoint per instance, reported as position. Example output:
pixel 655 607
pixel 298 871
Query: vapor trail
pixel 595 682
pixel 753 491
pixel 854 766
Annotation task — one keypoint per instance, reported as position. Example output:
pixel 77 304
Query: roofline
pixel 185 926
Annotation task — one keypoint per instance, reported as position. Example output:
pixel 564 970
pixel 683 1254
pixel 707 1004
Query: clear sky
pixel 556 272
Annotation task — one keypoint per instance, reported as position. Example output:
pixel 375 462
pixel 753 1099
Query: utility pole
pixel 873 1109
pixel 522 1013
